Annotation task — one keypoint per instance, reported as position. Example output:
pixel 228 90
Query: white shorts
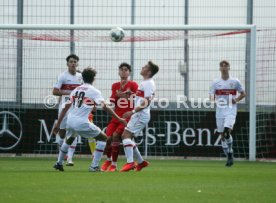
pixel 227 122
pixel 137 123
pixel 88 130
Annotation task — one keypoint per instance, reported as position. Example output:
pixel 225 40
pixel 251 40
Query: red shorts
pixel 114 126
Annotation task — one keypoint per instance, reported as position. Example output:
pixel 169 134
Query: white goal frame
pixel 252 28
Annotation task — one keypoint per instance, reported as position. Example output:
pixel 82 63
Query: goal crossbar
pixel 124 26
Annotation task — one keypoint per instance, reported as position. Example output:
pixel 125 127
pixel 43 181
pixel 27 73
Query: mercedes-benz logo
pixel 10 130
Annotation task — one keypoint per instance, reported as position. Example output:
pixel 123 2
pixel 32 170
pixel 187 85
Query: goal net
pixel 182 119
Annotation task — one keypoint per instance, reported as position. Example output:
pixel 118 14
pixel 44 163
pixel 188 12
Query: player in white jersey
pixel 224 91
pixel 67 81
pixel 140 116
pixel 82 100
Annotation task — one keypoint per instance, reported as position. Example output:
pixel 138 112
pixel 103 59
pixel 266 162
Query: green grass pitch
pixel 34 180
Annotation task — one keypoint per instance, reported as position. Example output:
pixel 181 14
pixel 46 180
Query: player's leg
pixel 136 153
pixel 111 127
pixel 228 126
pixel 100 146
pixel 61 134
pixel 134 127
pixel 220 131
pixel 115 149
pixel 72 148
pixel 128 148
pixel 92 145
pixel 107 151
pixel 62 131
pixel 141 162
pixel 64 149
pixel 92 141
pixel 71 152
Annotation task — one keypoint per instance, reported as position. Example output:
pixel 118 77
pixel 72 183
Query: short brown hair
pixel 224 62
pixel 124 64
pixel 88 75
pixel 74 56
pixel 154 68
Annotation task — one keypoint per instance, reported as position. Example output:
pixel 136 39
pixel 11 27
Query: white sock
pixel 72 150
pixel 137 153
pixel 98 153
pixel 60 141
pixel 62 152
pixel 229 142
pixel 128 149
pixel 224 147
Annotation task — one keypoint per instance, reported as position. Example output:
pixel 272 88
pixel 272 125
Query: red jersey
pixel 123 105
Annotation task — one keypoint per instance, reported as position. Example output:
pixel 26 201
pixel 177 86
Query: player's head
pixel 88 75
pixel 224 66
pixel 124 70
pixel 149 70
pixel 72 63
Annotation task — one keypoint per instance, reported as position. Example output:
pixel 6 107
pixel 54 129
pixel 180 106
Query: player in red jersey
pixel 122 97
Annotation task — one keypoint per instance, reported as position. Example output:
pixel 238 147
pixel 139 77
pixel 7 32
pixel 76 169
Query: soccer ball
pixel 117 34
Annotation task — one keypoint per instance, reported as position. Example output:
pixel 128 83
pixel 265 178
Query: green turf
pixel 34 180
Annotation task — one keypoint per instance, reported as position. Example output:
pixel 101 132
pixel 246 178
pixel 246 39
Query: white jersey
pixel 225 91
pixel 139 120
pixel 83 100
pixel 67 82
pixel 145 90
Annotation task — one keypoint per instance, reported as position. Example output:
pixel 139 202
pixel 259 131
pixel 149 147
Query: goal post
pixel 252 94
pixel 174 130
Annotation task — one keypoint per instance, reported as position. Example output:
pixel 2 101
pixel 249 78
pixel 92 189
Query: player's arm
pixel 61 116
pixel 241 91
pixel 149 93
pixel 239 98
pixel 56 90
pixel 144 104
pixel 211 97
pixel 212 92
pixel 110 111
pixel 124 94
pixel 94 110
pixel 59 92
pixel 132 91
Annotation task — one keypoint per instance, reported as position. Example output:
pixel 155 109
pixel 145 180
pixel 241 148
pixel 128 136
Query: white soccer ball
pixel 117 34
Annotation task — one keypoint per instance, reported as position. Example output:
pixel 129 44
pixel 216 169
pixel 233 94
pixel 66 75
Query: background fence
pixel 29 68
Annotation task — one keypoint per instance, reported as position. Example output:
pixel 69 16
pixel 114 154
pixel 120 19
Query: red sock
pixel 108 151
pixel 115 151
